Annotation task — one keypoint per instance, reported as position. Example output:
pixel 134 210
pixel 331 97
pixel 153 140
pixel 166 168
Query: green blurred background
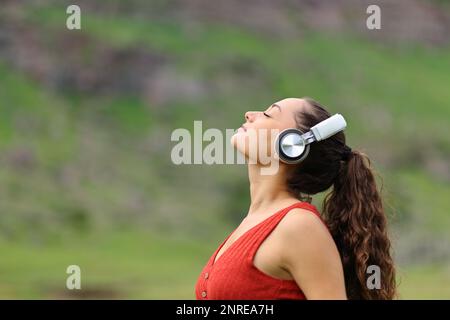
pixel 86 118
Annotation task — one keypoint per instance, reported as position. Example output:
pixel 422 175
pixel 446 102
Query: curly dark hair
pixel 353 209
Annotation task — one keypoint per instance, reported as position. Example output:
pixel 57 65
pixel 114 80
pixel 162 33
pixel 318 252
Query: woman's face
pixel 257 135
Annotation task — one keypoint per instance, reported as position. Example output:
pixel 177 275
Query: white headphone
pixel 292 145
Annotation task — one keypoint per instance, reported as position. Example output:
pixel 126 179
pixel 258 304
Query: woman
pixel 283 249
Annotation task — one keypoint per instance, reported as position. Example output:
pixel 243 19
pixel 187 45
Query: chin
pixel 238 141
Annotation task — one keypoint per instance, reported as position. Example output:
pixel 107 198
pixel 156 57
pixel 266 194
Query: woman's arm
pixel 311 256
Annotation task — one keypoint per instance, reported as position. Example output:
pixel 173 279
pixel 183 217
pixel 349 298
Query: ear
pixel 290 146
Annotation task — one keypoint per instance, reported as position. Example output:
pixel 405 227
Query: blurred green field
pixel 141 266
pixel 78 167
pixel 115 265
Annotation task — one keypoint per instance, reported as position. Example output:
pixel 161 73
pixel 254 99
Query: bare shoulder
pixel 303 233
pixel 300 223
pixel 309 253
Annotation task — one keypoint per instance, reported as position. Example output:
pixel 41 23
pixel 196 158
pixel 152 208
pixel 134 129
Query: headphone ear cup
pixel 290 146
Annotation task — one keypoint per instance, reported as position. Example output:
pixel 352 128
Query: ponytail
pixel 353 209
pixel 356 219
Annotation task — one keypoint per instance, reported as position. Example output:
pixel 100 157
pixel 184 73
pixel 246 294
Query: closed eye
pixel 266 115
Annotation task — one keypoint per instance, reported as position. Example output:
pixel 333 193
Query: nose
pixel 249 116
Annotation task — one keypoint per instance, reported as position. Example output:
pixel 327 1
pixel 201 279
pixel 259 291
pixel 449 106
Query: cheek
pixel 264 142
pixel 270 140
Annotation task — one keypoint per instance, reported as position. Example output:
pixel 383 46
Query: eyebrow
pixel 275 105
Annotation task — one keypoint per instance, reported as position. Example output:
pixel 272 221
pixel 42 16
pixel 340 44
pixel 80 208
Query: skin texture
pixel 300 247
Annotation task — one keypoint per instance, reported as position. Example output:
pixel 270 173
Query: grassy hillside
pixel 130 265
pixel 85 123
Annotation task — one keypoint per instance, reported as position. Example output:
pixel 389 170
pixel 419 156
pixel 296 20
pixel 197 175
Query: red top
pixel 234 277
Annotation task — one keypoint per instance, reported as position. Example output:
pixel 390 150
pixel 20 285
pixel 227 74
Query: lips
pixel 243 128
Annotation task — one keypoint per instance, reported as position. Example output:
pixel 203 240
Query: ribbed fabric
pixel 233 275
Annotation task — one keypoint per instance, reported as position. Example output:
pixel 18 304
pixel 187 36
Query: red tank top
pixel 234 277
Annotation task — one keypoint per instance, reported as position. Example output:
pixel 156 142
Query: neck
pixel 265 190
